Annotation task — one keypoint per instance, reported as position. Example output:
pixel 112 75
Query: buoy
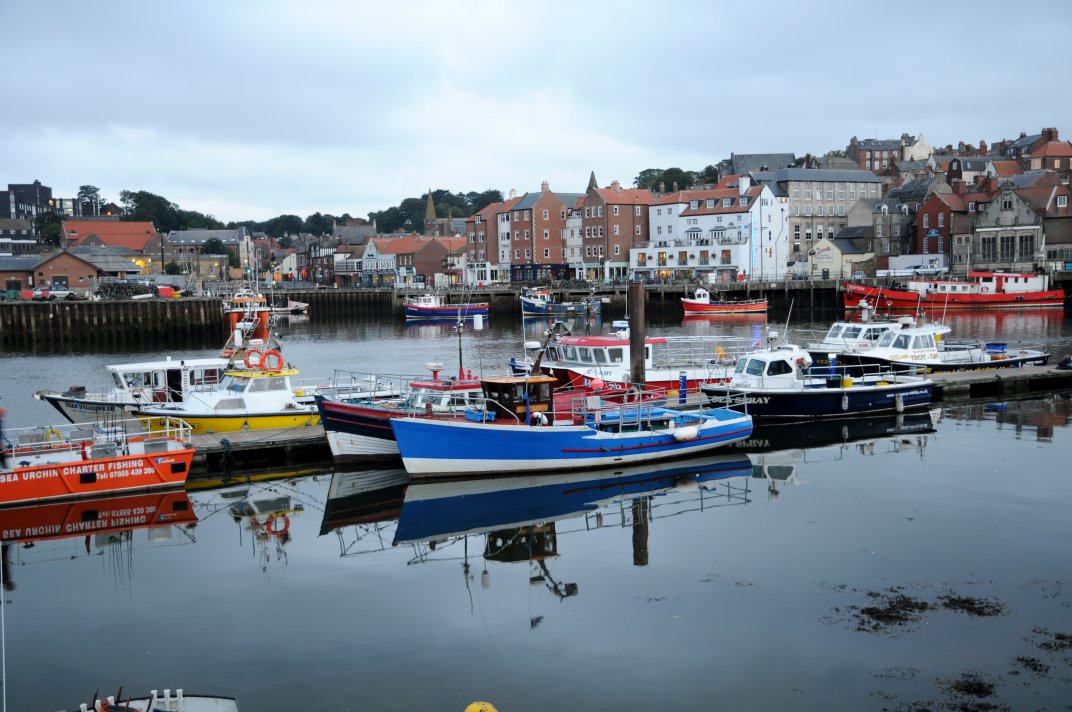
pixel 253 358
pixel 480 707
pixel 272 360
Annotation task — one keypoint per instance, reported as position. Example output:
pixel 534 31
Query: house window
pixel 744 200
pixel 709 204
pixel 841 210
pixel 683 258
pixel 926 220
pixel 727 202
pixel 818 209
pixel 669 229
pixel 547 234
pixel 1006 202
pixel 615 210
pixel 616 230
pixel 638 213
pixel 659 230
pixel 599 211
pixel 941 219
pixel 1062 201
pixel 852 192
pixel 637 229
pixel 546 215
pixel 617 249
pixel 546 253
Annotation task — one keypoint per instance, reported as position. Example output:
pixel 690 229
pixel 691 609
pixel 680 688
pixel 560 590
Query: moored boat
pixel 539 302
pixel 701 303
pixel 778 383
pixel 435 306
pixel 522 429
pixel 166 701
pixel 76 461
pixel 980 290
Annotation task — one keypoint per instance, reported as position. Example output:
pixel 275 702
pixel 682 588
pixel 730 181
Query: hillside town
pixel 877 206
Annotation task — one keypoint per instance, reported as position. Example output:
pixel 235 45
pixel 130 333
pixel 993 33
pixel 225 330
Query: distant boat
pixel 981 290
pixel 522 429
pixel 167 701
pixel 701 303
pixel 539 302
pixel 435 306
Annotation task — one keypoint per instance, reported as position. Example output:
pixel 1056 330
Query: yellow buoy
pixel 481 707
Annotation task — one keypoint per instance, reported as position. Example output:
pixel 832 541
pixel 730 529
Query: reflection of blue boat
pixel 437 510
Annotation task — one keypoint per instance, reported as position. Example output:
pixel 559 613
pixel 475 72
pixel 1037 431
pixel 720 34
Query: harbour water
pixel 886 564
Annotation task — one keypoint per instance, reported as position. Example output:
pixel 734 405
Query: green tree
pixel 670 176
pixel 148 207
pixel 286 242
pixel 49 228
pixel 89 199
pixel 318 224
pixel 479 201
pixel 648 178
pixel 213 246
pixel 708 175
pixel 172 268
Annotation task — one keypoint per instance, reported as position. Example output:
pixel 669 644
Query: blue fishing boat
pixel 781 383
pixel 521 428
pixel 434 306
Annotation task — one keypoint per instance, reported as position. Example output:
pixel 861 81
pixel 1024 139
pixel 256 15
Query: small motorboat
pixel 161 702
pixel 435 306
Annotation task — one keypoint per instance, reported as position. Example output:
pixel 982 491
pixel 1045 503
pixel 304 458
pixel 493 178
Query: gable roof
pixel 741 163
pixel 114 233
pixel 626 196
pixel 18 264
pixel 1053 149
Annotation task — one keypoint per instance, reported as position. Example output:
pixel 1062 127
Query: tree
pixel 648 178
pixel 318 224
pixel 286 242
pixel 89 200
pixel 670 176
pixel 708 175
pixel 213 246
pixel 148 207
pixel 172 268
pixel 49 228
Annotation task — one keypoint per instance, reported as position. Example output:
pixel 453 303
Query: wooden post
pixel 637 331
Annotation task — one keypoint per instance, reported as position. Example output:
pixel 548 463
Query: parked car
pixel 50 292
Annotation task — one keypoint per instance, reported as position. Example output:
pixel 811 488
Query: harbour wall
pixel 69 326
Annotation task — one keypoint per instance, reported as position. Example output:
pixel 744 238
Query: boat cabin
pixel 443 396
pixel 515 399
pixel 249 389
pixel 163 382
pixel 782 367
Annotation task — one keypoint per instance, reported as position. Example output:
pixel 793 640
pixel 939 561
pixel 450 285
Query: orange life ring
pixel 254 358
pixel 272 360
pixel 269 526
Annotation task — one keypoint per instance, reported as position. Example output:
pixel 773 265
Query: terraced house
pixel 614 220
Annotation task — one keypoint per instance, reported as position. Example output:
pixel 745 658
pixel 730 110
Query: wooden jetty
pixel 1000 383
pixel 259 453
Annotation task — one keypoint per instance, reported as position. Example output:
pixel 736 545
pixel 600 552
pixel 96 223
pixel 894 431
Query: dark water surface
pixel 888 565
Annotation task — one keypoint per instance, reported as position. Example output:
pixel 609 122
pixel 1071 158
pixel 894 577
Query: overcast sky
pixel 248 110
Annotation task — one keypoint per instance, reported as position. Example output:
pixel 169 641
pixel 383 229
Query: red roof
pixel 113 233
pixel 1007 168
pixel 1053 149
pixel 626 196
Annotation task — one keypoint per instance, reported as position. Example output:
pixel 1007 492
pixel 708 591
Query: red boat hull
pixel 693 307
pixel 884 298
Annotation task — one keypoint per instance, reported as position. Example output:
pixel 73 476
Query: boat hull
pixel 694 307
pixel 834 401
pixel 358 432
pixel 91 477
pixel 99 515
pixel 448 311
pixel 533 307
pixel 861 363
pixel 232 423
pixel 898 299
pixel 86 410
pixel 435 448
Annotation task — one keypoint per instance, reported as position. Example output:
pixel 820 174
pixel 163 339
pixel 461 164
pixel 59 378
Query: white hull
pixel 358 447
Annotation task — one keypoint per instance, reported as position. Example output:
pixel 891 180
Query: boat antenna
pixel 785 333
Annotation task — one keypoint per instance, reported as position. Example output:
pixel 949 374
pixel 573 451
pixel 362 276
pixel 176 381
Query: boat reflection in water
pixel 778 449
pixel 102 525
pixel 521 518
pixel 262 510
pixel 362 508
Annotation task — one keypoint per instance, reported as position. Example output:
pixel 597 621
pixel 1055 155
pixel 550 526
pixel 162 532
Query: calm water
pixel 763 579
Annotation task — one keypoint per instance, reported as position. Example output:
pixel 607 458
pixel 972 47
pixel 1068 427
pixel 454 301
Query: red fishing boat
pixel 702 304
pixel 981 290
pixel 86 460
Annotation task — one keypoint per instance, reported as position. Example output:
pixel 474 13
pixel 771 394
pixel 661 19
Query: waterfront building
pixel 614 220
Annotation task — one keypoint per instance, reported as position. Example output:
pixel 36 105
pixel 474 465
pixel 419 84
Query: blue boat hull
pixel 535 308
pixel 450 311
pixel 832 402
pixel 432 448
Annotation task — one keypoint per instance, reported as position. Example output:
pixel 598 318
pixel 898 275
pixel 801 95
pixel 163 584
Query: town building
pixel 614 220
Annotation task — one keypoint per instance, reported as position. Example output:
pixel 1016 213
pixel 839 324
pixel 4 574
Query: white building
pixel 734 230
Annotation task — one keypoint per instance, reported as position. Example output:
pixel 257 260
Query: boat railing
pixel 108 437
pixel 362 385
pixel 680 351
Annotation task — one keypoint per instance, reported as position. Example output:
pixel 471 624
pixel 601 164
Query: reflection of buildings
pixel 1043 415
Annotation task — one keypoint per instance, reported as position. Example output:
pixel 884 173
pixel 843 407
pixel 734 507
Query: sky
pixel 246 110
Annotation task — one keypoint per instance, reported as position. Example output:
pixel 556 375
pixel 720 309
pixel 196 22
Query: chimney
pixel 662 187
pixel 513 194
pixel 1049 135
pixel 1023 134
pixel 675 186
pixel 982 148
pixel 743 184
pixel 616 186
pixel 959 187
pixel 545 188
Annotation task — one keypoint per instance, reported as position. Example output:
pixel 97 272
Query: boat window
pixel 754 367
pixel 617 354
pixel 873 333
pixel 159 379
pixel 834 332
pixel 200 376
pixel 585 355
pixel 923 342
pixel 600 354
pixel 119 382
pixel 230 404
pixel 138 379
pixel 269 383
pixel 851 332
pixel 235 384
pixel 741 363
pixel 778 368
pixel 901 342
pixel 569 353
pixel 887 338
pixel 552 353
